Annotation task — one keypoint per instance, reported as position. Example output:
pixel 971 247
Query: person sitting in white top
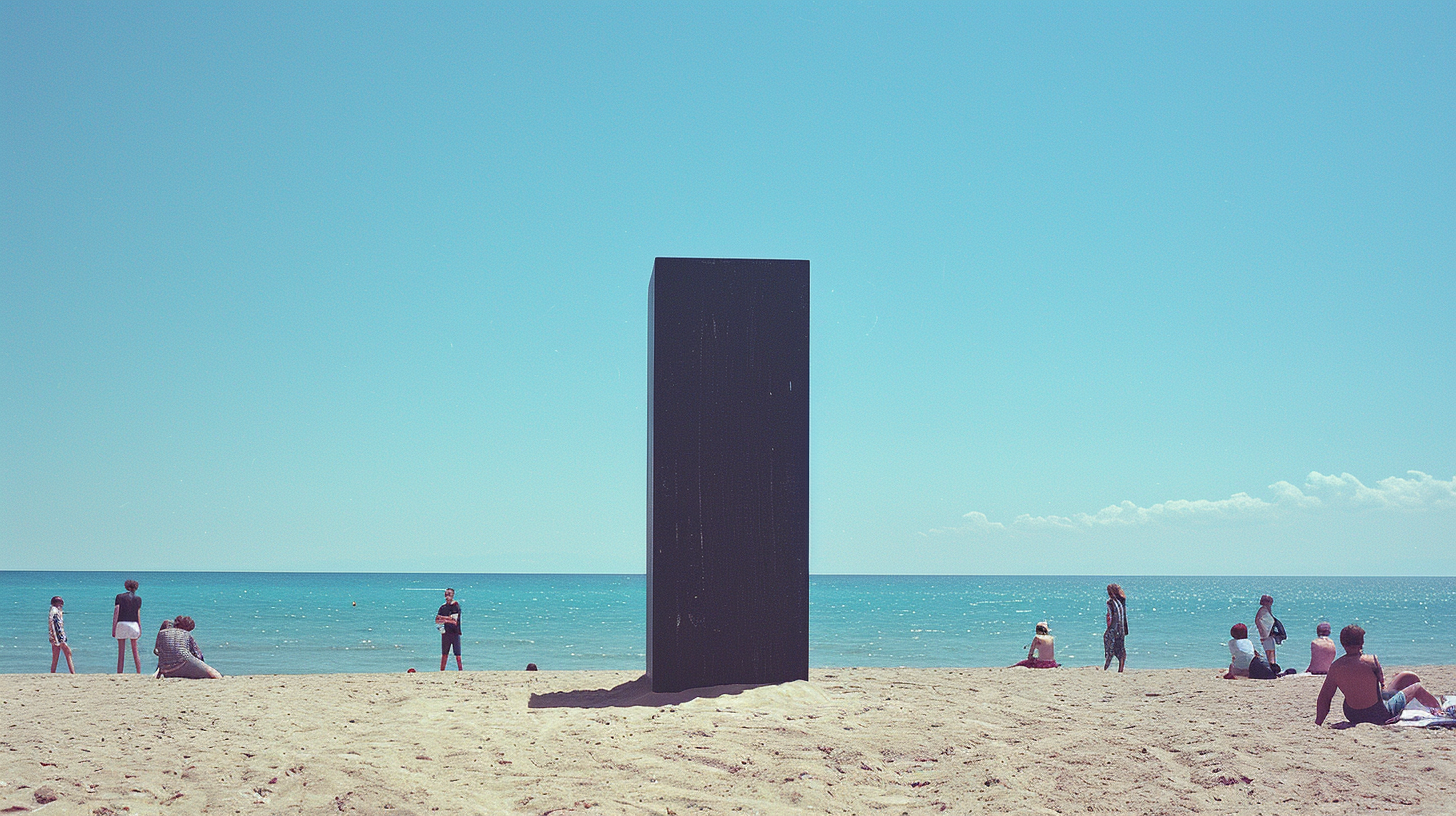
pixel 1241 650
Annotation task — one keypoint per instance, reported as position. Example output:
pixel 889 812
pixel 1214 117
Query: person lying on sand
pixel 1041 654
pixel 1368 698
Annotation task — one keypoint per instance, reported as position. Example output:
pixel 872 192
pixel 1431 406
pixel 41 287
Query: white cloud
pixel 979 520
pixel 1418 491
pixel 1321 494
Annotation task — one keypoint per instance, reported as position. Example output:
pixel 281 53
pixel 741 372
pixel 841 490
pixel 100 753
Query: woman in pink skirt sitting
pixel 1041 654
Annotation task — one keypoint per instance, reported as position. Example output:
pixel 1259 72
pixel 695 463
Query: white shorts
pixel 128 630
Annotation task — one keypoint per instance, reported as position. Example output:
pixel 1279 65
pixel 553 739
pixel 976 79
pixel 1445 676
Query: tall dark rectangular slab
pixel 728 473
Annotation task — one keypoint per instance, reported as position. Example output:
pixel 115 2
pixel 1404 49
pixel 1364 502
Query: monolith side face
pixel 728 473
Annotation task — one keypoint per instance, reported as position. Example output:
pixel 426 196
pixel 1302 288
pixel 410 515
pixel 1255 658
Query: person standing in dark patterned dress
pixel 1112 638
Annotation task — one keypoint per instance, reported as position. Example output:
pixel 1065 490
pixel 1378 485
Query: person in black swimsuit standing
pixel 1368 698
pixel 448 619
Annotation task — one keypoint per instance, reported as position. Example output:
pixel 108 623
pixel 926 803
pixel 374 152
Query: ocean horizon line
pixel 1251 576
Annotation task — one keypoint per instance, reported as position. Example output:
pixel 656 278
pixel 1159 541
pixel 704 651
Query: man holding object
pixel 448 619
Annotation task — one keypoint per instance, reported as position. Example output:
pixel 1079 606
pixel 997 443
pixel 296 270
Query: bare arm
pixel 1326 696
pixel 115 613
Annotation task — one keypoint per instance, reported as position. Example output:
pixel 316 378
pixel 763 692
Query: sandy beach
pixel 848 741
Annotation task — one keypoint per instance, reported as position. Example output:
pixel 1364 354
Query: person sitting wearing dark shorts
pixel 448 619
pixel 1368 698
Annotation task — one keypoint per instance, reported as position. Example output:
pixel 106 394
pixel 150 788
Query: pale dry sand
pixel 848 741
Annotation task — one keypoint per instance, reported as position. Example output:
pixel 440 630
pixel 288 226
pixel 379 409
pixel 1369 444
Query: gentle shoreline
pixel 848 741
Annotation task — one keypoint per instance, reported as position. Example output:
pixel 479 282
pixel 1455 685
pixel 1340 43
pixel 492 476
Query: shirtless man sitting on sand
pixel 1321 650
pixel 1368 698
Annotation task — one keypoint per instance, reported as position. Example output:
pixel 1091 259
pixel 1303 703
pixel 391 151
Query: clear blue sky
pixel 1096 288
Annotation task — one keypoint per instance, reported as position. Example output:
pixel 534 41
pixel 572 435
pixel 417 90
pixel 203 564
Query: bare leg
pixel 120 655
pixel 1269 653
pixel 136 659
pixel 459 664
pixel 55 656
pixel 1121 662
pixel 70 666
pixel 1401 680
pixel 1418 693
pixel 1107 662
pixel 443 657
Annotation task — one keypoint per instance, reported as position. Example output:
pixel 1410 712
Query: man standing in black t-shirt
pixel 126 624
pixel 448 619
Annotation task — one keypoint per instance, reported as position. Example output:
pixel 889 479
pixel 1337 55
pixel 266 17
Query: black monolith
pixel 728 473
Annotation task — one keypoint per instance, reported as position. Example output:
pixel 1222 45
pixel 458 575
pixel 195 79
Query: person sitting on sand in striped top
pixel 178 654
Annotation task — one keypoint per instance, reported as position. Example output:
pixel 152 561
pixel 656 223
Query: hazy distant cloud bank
pixel 1321 494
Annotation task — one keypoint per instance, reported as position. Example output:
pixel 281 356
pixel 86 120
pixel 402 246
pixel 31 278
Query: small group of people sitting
pixel 178 654
pixel 1246 661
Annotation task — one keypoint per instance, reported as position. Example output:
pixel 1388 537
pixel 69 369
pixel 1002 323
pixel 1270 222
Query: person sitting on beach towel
pixel 1368 698
pixel 178 655
pixel 1041 654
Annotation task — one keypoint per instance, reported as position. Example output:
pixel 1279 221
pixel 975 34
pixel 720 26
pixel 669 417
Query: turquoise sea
pixel 285 623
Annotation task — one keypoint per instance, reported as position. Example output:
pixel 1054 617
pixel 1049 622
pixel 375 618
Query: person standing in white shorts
pixel 126 624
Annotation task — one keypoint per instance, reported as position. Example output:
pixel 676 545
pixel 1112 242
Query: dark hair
pixel 1352 635
pixel 1239 631
pixel 1041 629
pixel 166 624
pixel 131 586
pixel 184 623
pixel 56 600
pixel 1115 591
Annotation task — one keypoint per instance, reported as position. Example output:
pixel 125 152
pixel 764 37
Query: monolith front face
pixel 728 473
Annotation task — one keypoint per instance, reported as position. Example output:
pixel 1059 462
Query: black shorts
pixel 448 640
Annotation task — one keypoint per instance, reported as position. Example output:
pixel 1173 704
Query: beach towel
pixel 1418 716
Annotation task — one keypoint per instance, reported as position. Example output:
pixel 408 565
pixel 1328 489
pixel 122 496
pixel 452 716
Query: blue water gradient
pixel 286 623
